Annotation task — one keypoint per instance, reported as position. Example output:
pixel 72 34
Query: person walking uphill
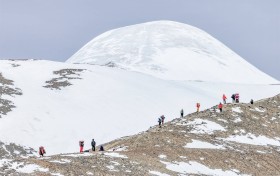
pixel 233 98
pixel 159 122
pixel 237 98
pixel 197 107
pixel 162 119
pixel 182 113
pixel 93 143
pixel 220 106
pixel 224 98
pixel 81 143
pixel 42 151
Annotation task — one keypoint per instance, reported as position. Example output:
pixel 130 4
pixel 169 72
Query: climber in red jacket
pixel 224 98
pixel 220 106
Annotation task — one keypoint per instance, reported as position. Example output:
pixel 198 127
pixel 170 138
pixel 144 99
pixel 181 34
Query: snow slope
pixel 107 103
pixel 170 50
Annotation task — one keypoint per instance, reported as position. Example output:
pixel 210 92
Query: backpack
pixel 42 150
pixel 237 96
pixel 159 120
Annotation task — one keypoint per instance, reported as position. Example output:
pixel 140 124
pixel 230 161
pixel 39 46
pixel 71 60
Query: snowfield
pixel 105 104
pixel 172 51
pixel 152 69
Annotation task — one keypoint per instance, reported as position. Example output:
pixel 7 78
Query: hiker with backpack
pixel 93 143
pixel 220 106
pixel 237 97
pixel 81 143
pixel 233 98
pixel 224 98
pixel 182 113
pixel 159 122
pixel 162 119
pixel 197 107
pixel 42 151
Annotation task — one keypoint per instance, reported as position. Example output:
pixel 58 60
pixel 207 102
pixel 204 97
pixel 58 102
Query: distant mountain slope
pixel 170 50
pixel 60 103
pixel 242 140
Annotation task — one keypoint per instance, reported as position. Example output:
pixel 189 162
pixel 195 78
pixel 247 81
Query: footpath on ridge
pixel 243 139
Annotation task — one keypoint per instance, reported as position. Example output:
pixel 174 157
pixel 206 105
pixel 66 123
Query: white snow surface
pixel 237 109
pixel 202 126
pixel 107 103
pixel 252 139
pixel 29 168
pixel 170 50
pixel 117 155
pixel 158 173
pixel 203 145
pixel 194 167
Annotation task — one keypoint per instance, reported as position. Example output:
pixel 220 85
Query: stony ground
pixel 63 79
pixel 7 89
pixel 149 152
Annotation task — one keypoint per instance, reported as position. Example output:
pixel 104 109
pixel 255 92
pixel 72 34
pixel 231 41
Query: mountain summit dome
pixel 169 50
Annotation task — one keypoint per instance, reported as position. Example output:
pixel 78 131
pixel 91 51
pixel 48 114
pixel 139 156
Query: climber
pixel 42 151
pixel 159 122
pixel 93 143
pixel 81 143
pixel 233 98
pixel 162 119
pixel 237 98
pixel 224 98
pixel 182 113
pixel 252 101
pixel 197 107
pixel 220 106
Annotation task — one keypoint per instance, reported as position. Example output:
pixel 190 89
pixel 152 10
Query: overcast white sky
pixel 56 29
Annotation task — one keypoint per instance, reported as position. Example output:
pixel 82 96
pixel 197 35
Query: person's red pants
pixel 81 149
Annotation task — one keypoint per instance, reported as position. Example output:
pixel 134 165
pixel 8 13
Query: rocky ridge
pixel 242 140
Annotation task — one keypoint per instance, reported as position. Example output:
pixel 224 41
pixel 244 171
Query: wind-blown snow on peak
pixel 169 50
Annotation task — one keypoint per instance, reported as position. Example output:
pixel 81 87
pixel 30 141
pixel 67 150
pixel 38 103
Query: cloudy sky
pixel 56 29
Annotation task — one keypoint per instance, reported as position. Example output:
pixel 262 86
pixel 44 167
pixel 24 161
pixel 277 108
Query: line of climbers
pixel 235 99
pixel 42 150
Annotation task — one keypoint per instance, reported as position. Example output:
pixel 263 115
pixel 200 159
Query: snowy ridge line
pixel 171 51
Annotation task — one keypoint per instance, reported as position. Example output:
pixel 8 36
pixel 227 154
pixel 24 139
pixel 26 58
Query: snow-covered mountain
pixel 172 51
pixel 57 104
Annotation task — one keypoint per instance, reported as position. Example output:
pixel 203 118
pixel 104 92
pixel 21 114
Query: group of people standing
pixel 93 146
pixel 235 99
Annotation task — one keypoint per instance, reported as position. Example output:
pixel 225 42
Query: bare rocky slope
pixel 243 139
